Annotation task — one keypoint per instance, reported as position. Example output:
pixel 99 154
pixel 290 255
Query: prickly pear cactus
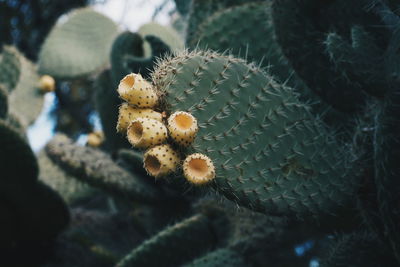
pixel 189 239
pixel 3 102
pixel 301 28
pixel 126 44
pixel 40 214
pixel 219 257
pixel 10 67
pixel 26 100
pixel 166 34
pixel 19 80
pixel 225 31
pixel 202 9
pixel 79 46
pixel 271 154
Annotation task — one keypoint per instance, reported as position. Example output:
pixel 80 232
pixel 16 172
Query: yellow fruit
pixel 47 83
pixel 137 91
pixel 198 169
pixel 95 139
pixel 182 128
pixel 144 133
pixel 160 160
pixel 128 113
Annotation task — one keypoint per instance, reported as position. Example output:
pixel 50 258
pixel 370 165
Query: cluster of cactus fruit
pixel 145 128
pixel 253 137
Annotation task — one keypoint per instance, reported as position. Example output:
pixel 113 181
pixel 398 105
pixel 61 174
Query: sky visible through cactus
pixel 120 11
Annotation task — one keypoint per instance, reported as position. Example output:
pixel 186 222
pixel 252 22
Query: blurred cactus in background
pixel 245 133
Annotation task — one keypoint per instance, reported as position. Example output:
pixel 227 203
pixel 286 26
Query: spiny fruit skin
pixel 128 113
pixel 198 169
pixel 137 91
pixel 270 153
pixel 144 133
pixel 47 84
pixel 182 128
pixel 160 160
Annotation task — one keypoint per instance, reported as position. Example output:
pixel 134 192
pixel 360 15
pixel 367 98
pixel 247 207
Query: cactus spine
pixel 243 111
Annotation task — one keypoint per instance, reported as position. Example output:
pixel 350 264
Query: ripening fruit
pixel 198 169
pixel 144 133
pixel 95 139
pixel 128 113
pixel 47 84
pixel 137 91
pixel 160 160
pixel 182 127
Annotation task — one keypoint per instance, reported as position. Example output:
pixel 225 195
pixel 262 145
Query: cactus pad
pixel 78 46
pixel 270 153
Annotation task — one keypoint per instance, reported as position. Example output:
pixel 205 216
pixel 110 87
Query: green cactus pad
pixel 145 66
pixel 356 249
pixel 133 158
pixel 97 169
pixel 301 27
pixel 166 34
pixel 202 9
pixel 183 6
pixel 107 103
pixel 3 101
pixel 126 44
pixel 218 258
pixel 10 67
pixel 79 46
pixel 70 189
pixel 351 61
pixel 174 245
pixel 270 153
pixel 387 170
pixel 9 230
pixel 17 161
pixel 26 100
pixel 45 216
pixel 225 30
